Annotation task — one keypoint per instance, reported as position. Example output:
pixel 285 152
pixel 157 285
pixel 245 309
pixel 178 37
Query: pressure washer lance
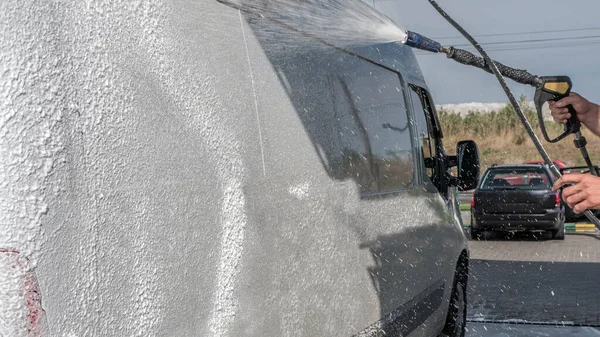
pixel 547 88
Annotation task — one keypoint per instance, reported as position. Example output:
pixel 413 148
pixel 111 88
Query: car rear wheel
pixel 559 234
pixel 475 234
pixel 456 321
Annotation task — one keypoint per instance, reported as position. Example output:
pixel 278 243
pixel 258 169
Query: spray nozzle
pixel 419 41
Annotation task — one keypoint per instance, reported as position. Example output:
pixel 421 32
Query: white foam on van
pixel 33 98
pixel 205 114
pixel 300 191
pixel 31 102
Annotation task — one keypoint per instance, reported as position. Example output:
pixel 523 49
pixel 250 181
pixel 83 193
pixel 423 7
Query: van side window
pixel 425 126
pixel 356 115
pixel 375 133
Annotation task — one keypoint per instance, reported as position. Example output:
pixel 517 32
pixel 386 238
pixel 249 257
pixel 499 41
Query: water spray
pixel 546 88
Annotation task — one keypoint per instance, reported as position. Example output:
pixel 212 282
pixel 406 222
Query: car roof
pixel 560 163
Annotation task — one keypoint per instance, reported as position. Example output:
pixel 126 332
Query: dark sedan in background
pixel 517 198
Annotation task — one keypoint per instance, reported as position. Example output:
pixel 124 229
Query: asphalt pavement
pixel 522 330
pixel 529 285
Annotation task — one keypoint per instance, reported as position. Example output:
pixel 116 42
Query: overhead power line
pixel 548 45
pixel 520 33
pixel 533 40
pixel 534 43
pixel 540 46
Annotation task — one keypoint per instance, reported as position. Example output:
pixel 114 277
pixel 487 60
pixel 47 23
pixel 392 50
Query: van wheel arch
pixel 457 306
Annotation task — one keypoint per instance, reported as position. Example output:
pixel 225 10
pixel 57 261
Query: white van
pixel 168 172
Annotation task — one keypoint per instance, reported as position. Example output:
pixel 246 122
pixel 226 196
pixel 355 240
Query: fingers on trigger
pixel 575 199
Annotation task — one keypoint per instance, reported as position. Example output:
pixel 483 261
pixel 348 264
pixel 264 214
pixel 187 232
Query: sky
pixel 451 82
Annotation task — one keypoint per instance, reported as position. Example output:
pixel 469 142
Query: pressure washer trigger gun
pixel 554 88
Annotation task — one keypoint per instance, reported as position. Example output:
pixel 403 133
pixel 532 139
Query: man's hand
pixel 580 191
pixel 587 112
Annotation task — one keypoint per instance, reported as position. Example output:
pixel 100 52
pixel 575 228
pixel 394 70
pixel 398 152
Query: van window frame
pixel 440 166
pixel 416 177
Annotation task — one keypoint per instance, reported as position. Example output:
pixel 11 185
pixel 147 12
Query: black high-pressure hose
pixel 467 58
pixel 416 40
pixel 520 76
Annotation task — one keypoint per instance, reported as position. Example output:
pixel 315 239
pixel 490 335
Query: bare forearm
pixel 593 120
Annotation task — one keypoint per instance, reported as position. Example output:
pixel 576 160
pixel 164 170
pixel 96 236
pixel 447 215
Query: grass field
pixel 502 139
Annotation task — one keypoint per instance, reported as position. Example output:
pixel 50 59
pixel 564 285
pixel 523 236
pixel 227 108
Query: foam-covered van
pixel 168 171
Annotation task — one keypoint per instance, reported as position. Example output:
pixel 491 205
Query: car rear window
pixel 516 178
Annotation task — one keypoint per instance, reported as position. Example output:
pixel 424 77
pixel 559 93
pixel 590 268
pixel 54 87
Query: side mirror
pixel 467 157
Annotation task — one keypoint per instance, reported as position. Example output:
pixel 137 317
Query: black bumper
pixel 552 219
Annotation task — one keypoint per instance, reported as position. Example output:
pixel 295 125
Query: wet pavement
pixel 527 279
pixel 522 330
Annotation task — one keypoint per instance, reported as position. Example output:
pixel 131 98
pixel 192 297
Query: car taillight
pixel 557 200
pixel 473 200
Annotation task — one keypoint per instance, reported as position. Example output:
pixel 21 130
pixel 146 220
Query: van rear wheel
pixel 456 320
